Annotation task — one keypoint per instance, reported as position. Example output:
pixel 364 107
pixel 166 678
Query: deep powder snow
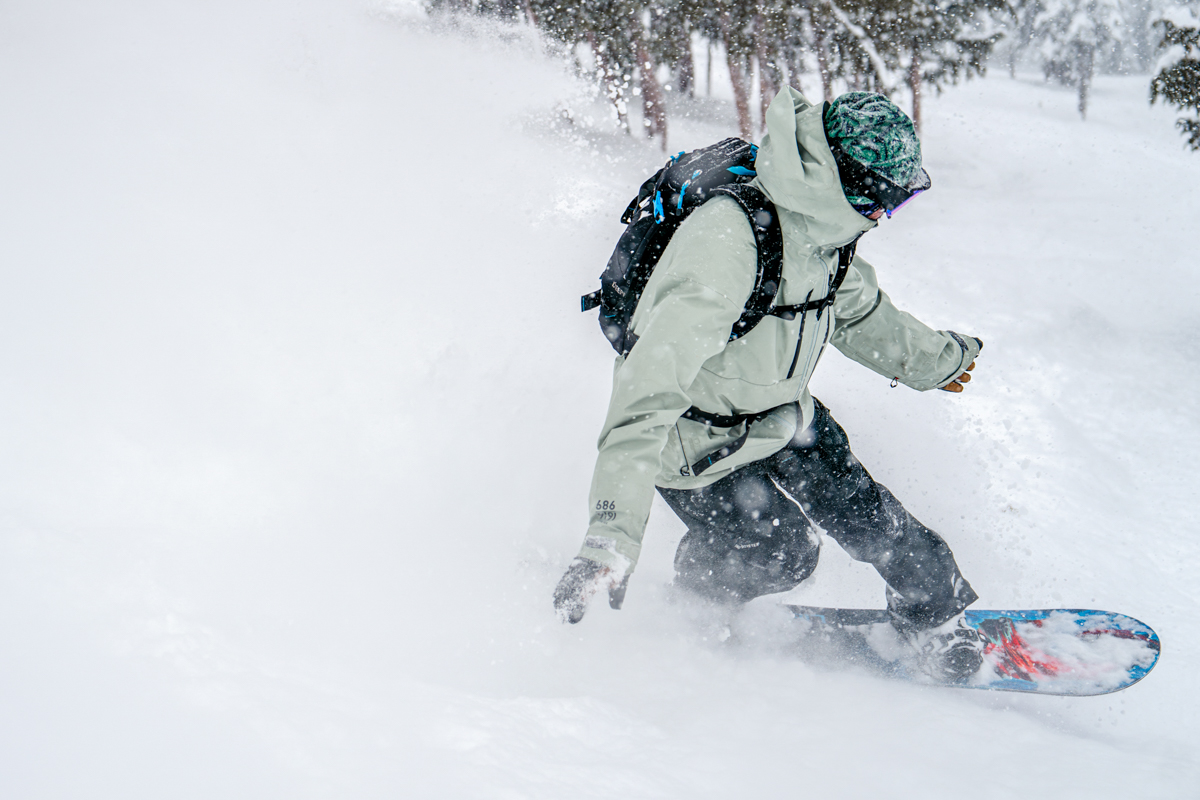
pixel 300 416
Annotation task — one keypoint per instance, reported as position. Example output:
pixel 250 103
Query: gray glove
pixel 582 580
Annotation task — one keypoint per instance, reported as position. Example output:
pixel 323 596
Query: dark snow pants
pixel 749 533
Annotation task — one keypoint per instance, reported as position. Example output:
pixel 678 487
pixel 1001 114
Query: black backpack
pixel 662 203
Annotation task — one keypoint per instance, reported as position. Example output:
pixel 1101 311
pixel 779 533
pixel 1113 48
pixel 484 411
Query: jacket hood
pixel 796 170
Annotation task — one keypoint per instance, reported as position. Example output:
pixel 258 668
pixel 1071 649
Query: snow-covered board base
pixel 1049 651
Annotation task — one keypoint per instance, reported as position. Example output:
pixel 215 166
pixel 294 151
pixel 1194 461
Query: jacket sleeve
pixel 869 329
pixel 680 324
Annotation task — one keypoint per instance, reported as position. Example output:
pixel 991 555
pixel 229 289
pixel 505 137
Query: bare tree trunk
pixel 1086 55
pixel 768 71
pixel 654 111
pixel 737 76
pixel 687 64
pixel 795 64
pixel 614 83
pixel 823 67
pixel 533 20
pixel 708 70
pixel 914 84
pixel 741 94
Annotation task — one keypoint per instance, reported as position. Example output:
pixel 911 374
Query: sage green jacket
pixel 683 356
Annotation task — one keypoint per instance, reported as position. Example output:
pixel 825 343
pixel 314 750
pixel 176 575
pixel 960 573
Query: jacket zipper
pixel 824 342
pixel 799 338
pixel 808 362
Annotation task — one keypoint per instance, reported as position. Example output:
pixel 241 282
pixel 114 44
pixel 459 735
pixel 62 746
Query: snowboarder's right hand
pixel 582 580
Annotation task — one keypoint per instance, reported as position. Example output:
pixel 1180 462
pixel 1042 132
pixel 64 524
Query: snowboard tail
pixel 1058 651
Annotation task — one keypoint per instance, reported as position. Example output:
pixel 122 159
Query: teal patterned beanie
pixel 874 132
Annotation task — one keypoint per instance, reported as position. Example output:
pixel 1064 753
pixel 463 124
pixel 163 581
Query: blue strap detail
pixel 659 216
pixel 686 184
pixel 743 171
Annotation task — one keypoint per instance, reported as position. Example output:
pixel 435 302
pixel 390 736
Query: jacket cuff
pixel 970 347
pixel 620 558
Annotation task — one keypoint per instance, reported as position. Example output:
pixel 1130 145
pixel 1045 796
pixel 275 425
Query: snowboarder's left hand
pixel 971 346
pixel 582 580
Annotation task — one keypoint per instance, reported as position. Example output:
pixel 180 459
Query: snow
pixel 301 414
pixel 1182 16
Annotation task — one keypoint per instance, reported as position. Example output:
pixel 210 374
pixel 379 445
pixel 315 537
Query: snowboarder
pixel 727 430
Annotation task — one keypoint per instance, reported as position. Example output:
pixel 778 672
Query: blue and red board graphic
pixel 1044 651
pixel 1064 651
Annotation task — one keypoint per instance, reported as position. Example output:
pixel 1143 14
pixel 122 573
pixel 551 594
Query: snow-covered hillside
pixel 299 416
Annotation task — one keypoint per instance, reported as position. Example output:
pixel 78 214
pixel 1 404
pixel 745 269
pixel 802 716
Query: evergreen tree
pixel 858 46
pixel 935 42
pixel 735 24
pixel 1071 32
pixel 1141 37
pixel 1178 81
pixel 670 40
pixel 605 27
pixel 1021 18
pixel 772 25
pixel 861 44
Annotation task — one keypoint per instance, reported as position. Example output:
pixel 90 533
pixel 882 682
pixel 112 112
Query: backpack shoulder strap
pixel 768 238
pixel 845 256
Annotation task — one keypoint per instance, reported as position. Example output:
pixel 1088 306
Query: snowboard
pixel 1057 651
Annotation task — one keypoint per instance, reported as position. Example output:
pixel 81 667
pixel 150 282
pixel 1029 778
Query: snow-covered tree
pixel 615 31
pixel 935 42
pixel 670 40
pixel 1142 37
pixel 1071 32
pixel 1178 79
pixel 1021 19
pixel 868 45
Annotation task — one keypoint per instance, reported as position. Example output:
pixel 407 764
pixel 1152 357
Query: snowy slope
pixel 300 418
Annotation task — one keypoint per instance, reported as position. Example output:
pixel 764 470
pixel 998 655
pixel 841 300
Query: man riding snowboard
pixel 727 430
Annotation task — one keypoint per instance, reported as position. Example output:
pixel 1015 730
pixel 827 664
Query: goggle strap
pixel 859 179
